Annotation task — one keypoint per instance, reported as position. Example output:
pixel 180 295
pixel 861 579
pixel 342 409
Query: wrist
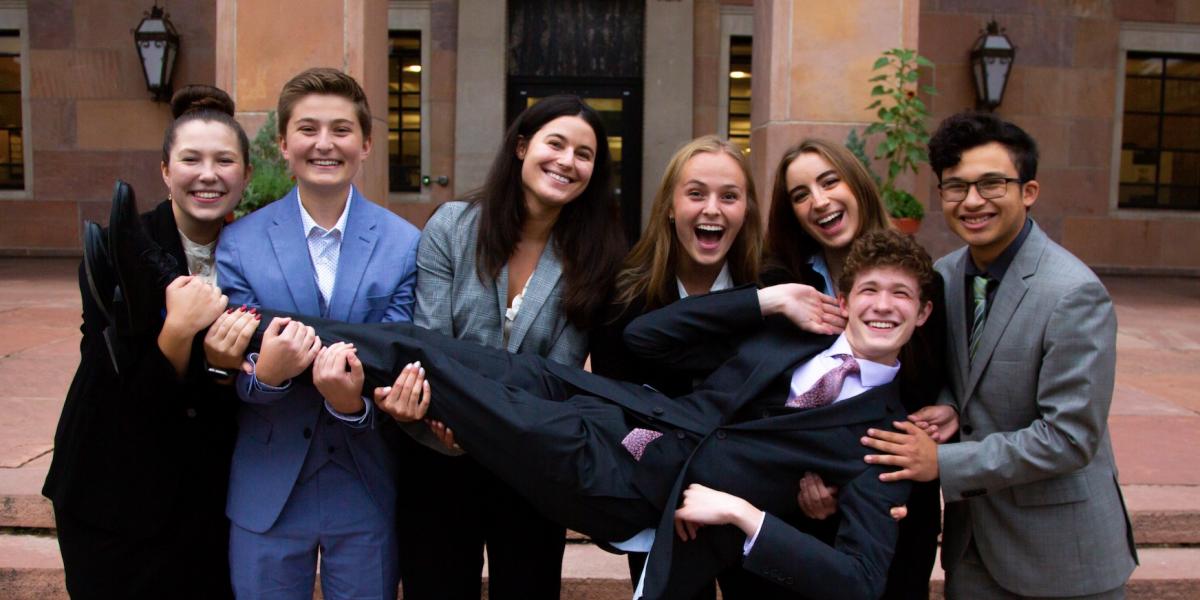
pixel 264 374
pixel 747 518
pixel 350 404
pixel 769 300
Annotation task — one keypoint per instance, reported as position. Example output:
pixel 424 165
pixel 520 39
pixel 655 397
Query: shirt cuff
pixel 351 419
pixel 749 545
pixel 260 386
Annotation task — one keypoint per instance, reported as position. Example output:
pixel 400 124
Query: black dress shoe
pixel 142 268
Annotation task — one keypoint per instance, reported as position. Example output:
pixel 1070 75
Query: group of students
pixel 196 457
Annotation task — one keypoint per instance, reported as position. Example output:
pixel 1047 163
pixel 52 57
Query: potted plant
pixel 271 179
pixel 900 118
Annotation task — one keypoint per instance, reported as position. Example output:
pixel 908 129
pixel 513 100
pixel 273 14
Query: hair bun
pixel 199 97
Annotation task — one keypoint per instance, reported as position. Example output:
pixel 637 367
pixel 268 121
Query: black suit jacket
pixel 760 449
pixel 133 450
pixel 731 433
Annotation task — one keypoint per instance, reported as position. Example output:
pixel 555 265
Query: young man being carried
pixel 612 459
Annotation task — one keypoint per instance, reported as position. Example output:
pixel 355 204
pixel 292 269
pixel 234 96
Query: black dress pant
pixel 451 508
pixel 188 559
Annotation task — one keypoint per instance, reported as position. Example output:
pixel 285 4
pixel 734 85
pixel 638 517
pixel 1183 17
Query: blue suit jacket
pixel 263 261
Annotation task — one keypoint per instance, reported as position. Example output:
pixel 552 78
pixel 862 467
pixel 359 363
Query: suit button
pixel 191 413
pixel 766 414
pixel 720 435
pixel 658 410
pixel 680 434
pixel 967 429
pixel 307 433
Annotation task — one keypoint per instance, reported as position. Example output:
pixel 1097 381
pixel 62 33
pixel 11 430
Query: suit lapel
pixel 867 407
pixel 545 276
pixel 1008 297
pixel 358 242
pixel 291 251
pixel 783 350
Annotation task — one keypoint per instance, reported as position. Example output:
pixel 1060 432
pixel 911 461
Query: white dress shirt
pixel 324 247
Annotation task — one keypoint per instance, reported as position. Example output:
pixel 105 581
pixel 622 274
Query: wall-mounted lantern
pixel 991 64
pixel 158 46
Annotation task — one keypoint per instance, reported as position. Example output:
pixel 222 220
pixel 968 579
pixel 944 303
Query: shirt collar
pixel 871 374
pixel 999 267
pixel 723 281
pixel 309 223
pixel 817 262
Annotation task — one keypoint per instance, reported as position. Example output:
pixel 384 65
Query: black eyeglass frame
pixel 969 184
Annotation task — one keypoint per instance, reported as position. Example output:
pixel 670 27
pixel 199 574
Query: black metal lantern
pixel 157 46
pixel 991 64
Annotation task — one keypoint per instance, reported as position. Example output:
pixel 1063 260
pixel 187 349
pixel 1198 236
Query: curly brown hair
pixel 888 248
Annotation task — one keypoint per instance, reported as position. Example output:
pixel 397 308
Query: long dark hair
pixel 789 247
pixel 587 234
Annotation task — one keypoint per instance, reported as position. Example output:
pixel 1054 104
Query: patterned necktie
pixel 979 296
pixel 826 389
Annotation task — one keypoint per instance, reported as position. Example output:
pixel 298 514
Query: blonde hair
pixel 649 270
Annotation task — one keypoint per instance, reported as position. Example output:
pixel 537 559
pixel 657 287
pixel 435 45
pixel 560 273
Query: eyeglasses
pixel 989 188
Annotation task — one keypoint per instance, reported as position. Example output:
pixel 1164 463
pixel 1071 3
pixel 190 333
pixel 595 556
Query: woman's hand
pixel 444 434
pixel 338 375
pixel 226 341
pixel 288 347
pixel 407 400
pixel 192 305
pixel 803 305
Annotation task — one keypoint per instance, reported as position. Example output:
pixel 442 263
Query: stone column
pixel 263 43
pixel 668 78
pixel 479 119
pixel 811 65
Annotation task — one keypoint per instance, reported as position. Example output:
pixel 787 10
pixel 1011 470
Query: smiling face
pixel 988 226
pixel 822 201
pixel 557 163
pixel 709 207
pixel 884 307
pixel 324 143
pixel 206 174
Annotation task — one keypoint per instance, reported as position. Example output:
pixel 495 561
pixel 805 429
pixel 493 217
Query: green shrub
pixel 271 179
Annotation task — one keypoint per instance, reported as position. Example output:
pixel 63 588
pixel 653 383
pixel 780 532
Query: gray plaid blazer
pixel 1033 480
pixel 452 300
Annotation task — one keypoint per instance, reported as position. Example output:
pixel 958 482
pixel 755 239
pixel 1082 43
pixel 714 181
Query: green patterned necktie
pixel 979 295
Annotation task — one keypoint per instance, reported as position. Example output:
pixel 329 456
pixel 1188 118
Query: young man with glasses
pixel 1032 502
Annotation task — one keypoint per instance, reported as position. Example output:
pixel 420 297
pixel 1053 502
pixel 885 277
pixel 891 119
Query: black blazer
pixel 731 433
pixel 132 449
pixel 611 358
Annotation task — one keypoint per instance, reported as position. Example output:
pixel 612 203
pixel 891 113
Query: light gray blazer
pixel 452 300
pixel 1034 479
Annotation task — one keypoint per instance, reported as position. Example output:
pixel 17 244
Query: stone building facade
pixel 86 117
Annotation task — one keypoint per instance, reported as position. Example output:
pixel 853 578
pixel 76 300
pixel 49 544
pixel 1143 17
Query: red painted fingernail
pixel 254 311
pixel 257 317
pixel 229 311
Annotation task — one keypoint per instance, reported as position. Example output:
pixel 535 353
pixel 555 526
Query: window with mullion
pixel 404 111
pixel 1160 140
pixel 12 140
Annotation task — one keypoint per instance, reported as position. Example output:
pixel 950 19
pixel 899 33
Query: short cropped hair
pixel 326 81
pixel 888 248
pixel 967 130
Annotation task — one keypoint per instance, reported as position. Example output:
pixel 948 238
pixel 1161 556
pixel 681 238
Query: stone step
pixel 31 569
pixel 1161 514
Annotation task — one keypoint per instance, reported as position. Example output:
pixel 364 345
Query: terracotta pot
pixel 907 224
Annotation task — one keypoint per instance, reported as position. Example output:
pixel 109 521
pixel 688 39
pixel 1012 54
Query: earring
pixel 671 220
pixel 169 198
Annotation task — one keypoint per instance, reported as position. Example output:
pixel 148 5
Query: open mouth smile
pixel 325 162
pixel 831 221
pixel 207 195
pixel 558 177
pixel 708 235
pixel 881 324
